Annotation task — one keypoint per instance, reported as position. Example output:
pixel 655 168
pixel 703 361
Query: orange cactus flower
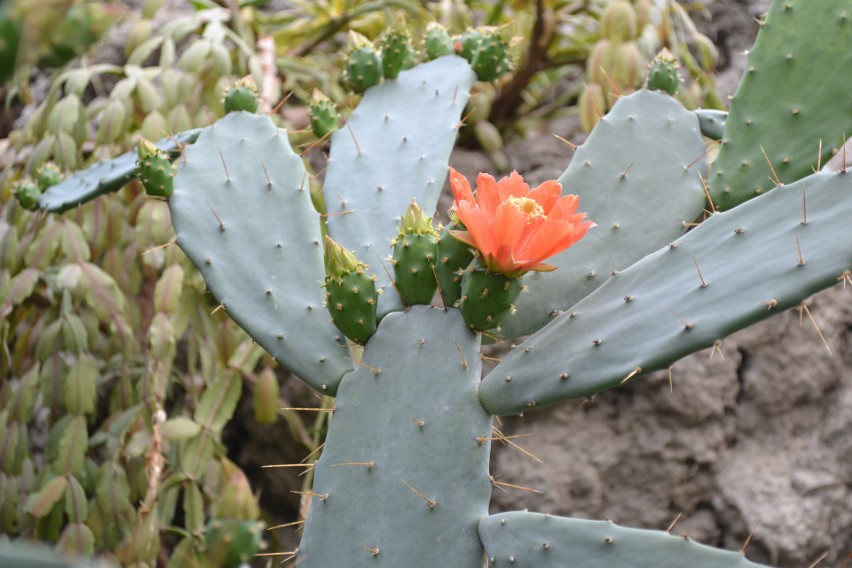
pixel 513 227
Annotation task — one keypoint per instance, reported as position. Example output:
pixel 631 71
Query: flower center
pixel 527 206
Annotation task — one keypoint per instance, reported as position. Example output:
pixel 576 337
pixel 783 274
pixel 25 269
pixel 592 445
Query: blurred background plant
pixel 120 378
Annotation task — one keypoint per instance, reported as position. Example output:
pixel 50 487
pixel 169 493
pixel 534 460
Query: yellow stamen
pixel 527 206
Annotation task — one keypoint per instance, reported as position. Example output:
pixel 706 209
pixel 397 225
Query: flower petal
pixel 486 193
pixel 547 195
pixel 464 237
pixel 461 187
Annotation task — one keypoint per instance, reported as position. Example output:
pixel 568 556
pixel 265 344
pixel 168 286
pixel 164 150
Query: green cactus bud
pixel 351 296
pixel 230 543
pixel 27 194
pixel 265 395
pixel 487 297
pixel 492 58
pixel 242 96
pixel 619 21
pixel 415 221
pixel 397 51
pixel 322 114
pixel 452 258
pixel 467 44
pixel 363 64
pixel 438 42
pixel 155 169
pixel 414 254
pixel 48 175
pixel 663 73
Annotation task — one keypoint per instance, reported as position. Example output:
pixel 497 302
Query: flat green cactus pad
pixel 638 178
pixel 403 479
pixel 104 177
pixel 789 101
pixel 733 270
pixel 521 539
pixel 395 147
pixel 242 212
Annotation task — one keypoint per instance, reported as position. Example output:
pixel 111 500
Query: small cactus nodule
pixel 242 96
pixel 351 295
pixel 487 297
pixel 48 175
pixel 512 236
pixel 467 44
pixel 28 193
pixel 156 171
pixel 364 67
pixel 452 257
pixel 398 52
pixel 663 73
pixel 323 115
pixel 492 57
pixel 414 253
pixel 438 41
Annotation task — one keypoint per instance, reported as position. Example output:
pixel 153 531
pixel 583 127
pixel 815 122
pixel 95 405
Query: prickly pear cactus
pixel 403 478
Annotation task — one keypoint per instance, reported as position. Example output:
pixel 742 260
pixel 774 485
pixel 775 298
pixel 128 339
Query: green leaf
pixel 219 401
pixel 80 385
pixel 193 507
pixel 73 242
pixel 76 505
pixel 77 540
pixel 71 452
pixel 41 503
pixel 47 340
pixel 180 428
pixel 168 290
pixel 196 453
pixel 21 287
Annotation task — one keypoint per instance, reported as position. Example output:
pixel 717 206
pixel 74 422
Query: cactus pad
pixel 733 270
pixel 545 541
pixel 637 177
pixel 407 450
pixel 242 212
pixel 789 100
pixel 395 147
pixel 104 177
